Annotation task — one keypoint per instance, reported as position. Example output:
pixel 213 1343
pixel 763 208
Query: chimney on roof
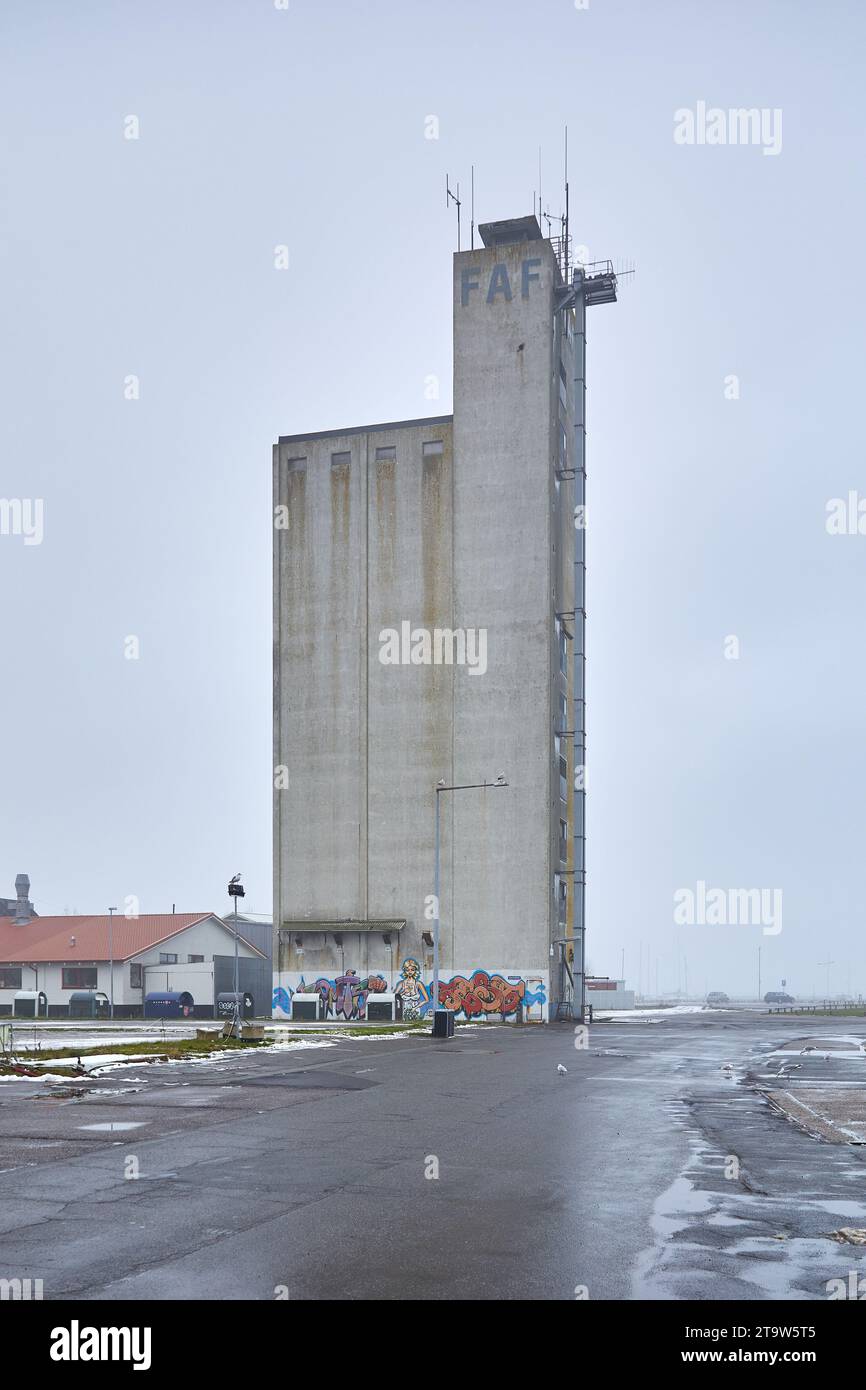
pixel 23 906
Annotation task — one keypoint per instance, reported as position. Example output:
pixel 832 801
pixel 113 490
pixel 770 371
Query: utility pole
pixel 468 786
pixel 828 963
pixel 759 974
pixel 235 892
pixel 111 912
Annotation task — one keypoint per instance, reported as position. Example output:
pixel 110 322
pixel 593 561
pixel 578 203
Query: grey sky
pixel 155 257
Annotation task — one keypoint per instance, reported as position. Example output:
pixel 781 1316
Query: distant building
pixel 179 952
pixel 604 993
pixel 255 927
pixel 424 617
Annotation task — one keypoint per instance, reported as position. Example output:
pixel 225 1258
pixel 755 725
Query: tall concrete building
pixel 424 610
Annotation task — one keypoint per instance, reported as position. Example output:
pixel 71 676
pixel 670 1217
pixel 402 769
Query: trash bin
pixel 308 1008
pixel 169 1003
pixel 88 1003
pixel 381 1008
pixel 30 1004
pixel 225 1004
pixel 443 1023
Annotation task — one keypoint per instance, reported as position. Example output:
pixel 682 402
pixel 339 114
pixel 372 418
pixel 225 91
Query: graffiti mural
pixel 344 997
pixel 281 1004
pixel 413 996
pixel 475 994
pixel 481 994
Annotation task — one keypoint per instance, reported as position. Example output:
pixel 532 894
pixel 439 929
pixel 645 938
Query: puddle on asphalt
pixel 776 1260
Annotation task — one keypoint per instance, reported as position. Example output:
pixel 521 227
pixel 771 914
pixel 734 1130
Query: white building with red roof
pixel 125 958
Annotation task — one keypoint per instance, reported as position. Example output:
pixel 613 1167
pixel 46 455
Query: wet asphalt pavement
pixel 655 1168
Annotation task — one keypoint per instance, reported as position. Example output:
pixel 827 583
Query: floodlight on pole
pixel 236 891
pixel 440 788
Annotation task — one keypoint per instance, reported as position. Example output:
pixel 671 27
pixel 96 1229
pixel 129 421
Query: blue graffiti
pixel 282 999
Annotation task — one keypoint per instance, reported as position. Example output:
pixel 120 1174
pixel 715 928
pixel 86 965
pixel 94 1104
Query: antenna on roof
pixel 472 207
pixel 565 221
pixel 453 197
pixel 624 269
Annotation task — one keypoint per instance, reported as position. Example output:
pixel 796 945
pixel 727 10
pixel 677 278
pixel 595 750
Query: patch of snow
pixel 626 1015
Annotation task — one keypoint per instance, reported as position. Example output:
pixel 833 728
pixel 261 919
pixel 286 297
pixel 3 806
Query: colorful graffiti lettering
pixel 344 997
pixel 482 994
pixel 475 995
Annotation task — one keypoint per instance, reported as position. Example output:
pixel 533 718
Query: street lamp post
pixel 111 912
pixel 465 787
pixel 236 891
pixel 827 963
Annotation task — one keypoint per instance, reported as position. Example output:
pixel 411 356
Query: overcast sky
pixel 154 258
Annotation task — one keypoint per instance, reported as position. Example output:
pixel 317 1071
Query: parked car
pixel 717 996
pixel 775 996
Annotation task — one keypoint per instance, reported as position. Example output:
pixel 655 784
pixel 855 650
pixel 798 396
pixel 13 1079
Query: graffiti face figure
pixel 411 989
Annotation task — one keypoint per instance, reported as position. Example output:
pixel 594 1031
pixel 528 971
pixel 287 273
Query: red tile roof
pixel 48 938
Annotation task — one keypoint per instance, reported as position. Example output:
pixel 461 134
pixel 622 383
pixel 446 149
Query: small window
pixel 561 891
pixel 168 958
pixel 10 977
pixel 195 960
pixel 136 976
pixel 432 447
pixel 386 451
pixel 341 460
pixel 78 977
